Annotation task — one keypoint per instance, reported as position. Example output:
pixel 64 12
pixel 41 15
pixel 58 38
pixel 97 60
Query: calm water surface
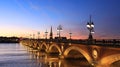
pixel 16 55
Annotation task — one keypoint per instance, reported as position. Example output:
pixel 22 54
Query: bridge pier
pixel 61 57
pixel 62 51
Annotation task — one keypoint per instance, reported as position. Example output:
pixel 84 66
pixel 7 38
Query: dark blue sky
pixel 25 17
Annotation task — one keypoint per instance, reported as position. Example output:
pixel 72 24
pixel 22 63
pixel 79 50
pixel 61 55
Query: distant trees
pixel 9 40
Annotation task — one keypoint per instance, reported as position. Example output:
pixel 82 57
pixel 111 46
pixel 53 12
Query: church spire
pixel 51 33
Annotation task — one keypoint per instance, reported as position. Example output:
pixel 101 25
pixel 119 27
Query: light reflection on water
pixel 15 55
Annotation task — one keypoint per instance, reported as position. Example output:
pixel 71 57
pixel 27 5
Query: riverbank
pixel 9 40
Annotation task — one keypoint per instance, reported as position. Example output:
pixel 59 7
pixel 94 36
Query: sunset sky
pixel 24 17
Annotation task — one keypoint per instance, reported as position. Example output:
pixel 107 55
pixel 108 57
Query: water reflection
pixel 46 60
pixel 16 55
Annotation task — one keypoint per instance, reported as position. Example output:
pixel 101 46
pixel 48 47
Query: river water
pixel 16 55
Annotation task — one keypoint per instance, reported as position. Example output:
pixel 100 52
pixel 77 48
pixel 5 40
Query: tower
pixel 51 33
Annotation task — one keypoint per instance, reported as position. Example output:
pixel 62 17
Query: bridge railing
pixel 107 42
pixel 100 42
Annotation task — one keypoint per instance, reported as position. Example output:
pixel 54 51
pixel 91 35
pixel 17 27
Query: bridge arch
pixel 56 46
pixel 33 45
pixel 83 52
pixel 38 45
pixel 110 59
pixel 44 46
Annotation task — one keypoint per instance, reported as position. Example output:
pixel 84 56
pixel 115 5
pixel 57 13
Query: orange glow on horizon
pixel 25 32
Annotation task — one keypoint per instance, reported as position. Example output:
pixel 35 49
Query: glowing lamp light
pixel 92 31
pixel 59 28
pixel 88 25
pixel 92 24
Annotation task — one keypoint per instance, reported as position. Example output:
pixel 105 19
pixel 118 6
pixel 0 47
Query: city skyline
pixel 23 18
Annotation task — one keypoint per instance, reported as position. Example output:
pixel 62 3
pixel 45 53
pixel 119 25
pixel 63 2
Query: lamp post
pixel 59 28
pixel 38 34
pixel 33 36
pixel 90 27
pixel 30 36
pixel 70 38
pixel 46 34
pixel 70 35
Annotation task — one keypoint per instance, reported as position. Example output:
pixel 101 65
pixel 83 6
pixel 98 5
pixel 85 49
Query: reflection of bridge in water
pixel 98 53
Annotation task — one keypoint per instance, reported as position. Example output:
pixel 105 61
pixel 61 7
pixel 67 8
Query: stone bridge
pixel 97 56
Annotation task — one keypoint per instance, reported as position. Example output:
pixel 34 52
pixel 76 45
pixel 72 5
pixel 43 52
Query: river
pixel 16 55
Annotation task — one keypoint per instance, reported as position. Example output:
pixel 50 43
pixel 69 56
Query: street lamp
pixel 70 38
pixel 30 36
pixel 33 36
pixel 90 26
pixel 46 34
pixel 59 28
pixel 38 34
pixel 70 35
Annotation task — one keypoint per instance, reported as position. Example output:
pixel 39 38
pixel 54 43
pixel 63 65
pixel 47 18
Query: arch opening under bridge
pixel 44 47
pixel 54 49
pixel 80 53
